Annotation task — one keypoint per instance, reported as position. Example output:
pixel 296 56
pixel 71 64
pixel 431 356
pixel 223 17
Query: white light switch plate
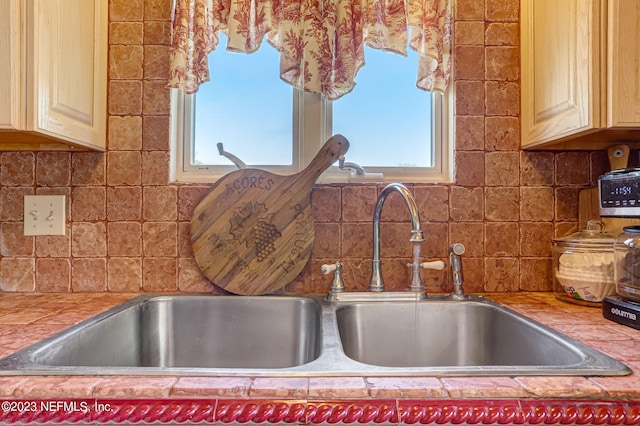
pixel 44 215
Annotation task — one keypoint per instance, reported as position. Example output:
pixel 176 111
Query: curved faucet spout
pixel 377 283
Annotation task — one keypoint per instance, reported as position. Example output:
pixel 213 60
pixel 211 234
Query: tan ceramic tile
pixel 88 168
pixel 155 97
pixel 124 239
pixel 536 168
pixel 157 10
pixel 469 62
pixel 470 132
pixel 184 240
pixel 466 204
pixel 88 275
pixel 124 203
pixel 56 387
pixel 503 63
pixel 327 240
pixel 469 234
pixel 358 203
pixel 502 34
pixel 502 134
pixel 625 387
pixel 17 274
pixel 13 242
pixel 277 387
pixel 501 239
pixel 126 10
pixel 88 239
pixel 124 62
pixel 469 10
pixel 502 10
pixel 155 132
pixel 357 240
pixel 125 133
pixel 134 387
pixel 436 241
pixel 501 274
pixel 503 98
pixel 188 198
pixel 159 239
pixel 326 202
pixel 156 62
pixel 502 168
pixel 155 167
pixel 502 204
pixel 567 203
pixel 53 275
pixel 469 33
pixel 12 202
pixel 9 384
pixel 534 239
pixel 572 168
pixel 470 168
pixel 23 317
pixel 337 387
pixel 126 33
pixel 125 97
pixel 535 273
pixel 469 97
pixel 229 387
pixel 124 168
pixel 536 203
pixel 160 203
pixel 406 387
pixel 561 387
pixel 88 203
pixel 433 202
pixel 483 387
pixel 159 274
pixel 17 168
pixel 52 169
pixel 124 274
pixel 191 279
pixel 157 32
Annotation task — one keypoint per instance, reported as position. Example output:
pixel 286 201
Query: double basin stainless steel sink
pixel 309 336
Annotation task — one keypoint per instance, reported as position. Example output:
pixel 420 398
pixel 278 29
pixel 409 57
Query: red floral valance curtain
pixel 321 42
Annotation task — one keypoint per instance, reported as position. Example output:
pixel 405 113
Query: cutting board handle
pixel 618 156
pixel 335 146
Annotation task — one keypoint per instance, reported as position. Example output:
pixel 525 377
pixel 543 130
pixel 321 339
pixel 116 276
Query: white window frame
pixel 314 129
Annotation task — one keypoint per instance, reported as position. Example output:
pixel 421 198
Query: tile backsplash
pixel 128 226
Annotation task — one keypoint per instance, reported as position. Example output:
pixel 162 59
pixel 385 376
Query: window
pixel 394 129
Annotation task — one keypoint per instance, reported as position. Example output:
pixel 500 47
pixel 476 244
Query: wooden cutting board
pixel 253 231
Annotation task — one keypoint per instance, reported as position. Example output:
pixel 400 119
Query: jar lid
pixel 632 229
pixel 593 235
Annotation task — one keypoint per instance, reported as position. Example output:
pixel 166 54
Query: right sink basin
pixel 473 335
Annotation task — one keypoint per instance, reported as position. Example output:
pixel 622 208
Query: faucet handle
pixel 337 284
pixel 438 265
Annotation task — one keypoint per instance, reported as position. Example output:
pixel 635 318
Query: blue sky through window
pixel 247 107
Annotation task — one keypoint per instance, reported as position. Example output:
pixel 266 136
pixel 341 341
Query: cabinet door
pixel 12 108
pixel 69 70
pixel 623 90
pixel 560 69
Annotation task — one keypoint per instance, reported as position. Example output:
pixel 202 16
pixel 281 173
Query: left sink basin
pixel 190 332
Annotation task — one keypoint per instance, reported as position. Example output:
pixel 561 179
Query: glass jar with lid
pixel 627 263
pixel 583 265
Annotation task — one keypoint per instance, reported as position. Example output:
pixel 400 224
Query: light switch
pixel 44 215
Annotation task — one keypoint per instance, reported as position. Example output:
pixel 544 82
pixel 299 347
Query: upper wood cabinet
pixel 53 74
pixel 580 81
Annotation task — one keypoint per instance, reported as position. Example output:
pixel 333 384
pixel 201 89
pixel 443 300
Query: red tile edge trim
pixel 160 411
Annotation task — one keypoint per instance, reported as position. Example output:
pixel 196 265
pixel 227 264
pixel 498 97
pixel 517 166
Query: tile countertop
pixel 27 318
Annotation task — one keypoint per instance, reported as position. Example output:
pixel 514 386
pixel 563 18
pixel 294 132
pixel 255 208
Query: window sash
pixel 312 124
